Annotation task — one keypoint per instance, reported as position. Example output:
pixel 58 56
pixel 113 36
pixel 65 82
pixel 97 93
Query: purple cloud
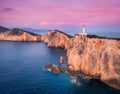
pixel 59 12
pixel 8 9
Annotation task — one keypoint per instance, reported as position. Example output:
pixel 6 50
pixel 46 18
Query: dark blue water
pixel 22 72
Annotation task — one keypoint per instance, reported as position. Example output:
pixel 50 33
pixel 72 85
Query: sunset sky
pixel 59 13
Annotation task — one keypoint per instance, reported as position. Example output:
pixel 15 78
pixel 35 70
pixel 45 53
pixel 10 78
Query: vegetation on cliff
pixel 3 29
pixel 95 36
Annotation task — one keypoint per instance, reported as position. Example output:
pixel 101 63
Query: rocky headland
pixel 95 57
pixel 16 34
pixel 98 58
pixel 56 38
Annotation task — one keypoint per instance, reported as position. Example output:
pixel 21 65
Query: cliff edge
pixel 56 38
pixel 96 57
pixel 99 58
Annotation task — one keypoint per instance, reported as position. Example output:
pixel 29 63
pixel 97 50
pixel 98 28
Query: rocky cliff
pixel 56 38
pixel 99 58
pixel 96 57
pixel 17 35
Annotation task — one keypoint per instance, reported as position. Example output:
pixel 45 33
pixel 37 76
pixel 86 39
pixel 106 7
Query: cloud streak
pixel 7 9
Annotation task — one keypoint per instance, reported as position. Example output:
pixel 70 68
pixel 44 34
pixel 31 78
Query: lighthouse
pixel 83 31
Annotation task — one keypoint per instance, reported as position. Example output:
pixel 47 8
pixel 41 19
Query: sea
pixel 22 72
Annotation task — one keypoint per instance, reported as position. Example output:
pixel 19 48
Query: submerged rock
pixel 54 68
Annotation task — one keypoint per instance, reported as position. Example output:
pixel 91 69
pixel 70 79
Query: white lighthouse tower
pixel 83 31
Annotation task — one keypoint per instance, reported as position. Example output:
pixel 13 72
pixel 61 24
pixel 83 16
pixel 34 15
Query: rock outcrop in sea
pixel 95 57
pixel 54 68
pixel 17 35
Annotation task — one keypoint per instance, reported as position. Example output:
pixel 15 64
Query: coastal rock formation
pixel 61 60
pixel 56 38
pixel 99 58
pixel 17 35
pixel 54 68
pixel 96 57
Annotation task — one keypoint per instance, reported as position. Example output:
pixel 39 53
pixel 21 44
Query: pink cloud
pixel 44 23
pixel 62 12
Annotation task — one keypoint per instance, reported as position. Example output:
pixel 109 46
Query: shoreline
pixel 96 56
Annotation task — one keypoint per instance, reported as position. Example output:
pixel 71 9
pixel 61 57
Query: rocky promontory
pixel 16 34
pixel 99 58
pixel 96 57
pixel 56 38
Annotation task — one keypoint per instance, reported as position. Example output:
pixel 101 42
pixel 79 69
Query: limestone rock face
pixel 55 38
pixel 99 58
pixel 17 35
pixel 96 57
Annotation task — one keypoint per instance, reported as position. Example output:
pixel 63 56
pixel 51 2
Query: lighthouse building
pixel 83 31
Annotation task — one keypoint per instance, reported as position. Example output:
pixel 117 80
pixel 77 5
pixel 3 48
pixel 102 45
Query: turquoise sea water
pixel 22 72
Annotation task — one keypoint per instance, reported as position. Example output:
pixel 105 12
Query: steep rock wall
pixel 98 58
pixel 55 38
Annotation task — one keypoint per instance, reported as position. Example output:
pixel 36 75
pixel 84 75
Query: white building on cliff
pixel 83 31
